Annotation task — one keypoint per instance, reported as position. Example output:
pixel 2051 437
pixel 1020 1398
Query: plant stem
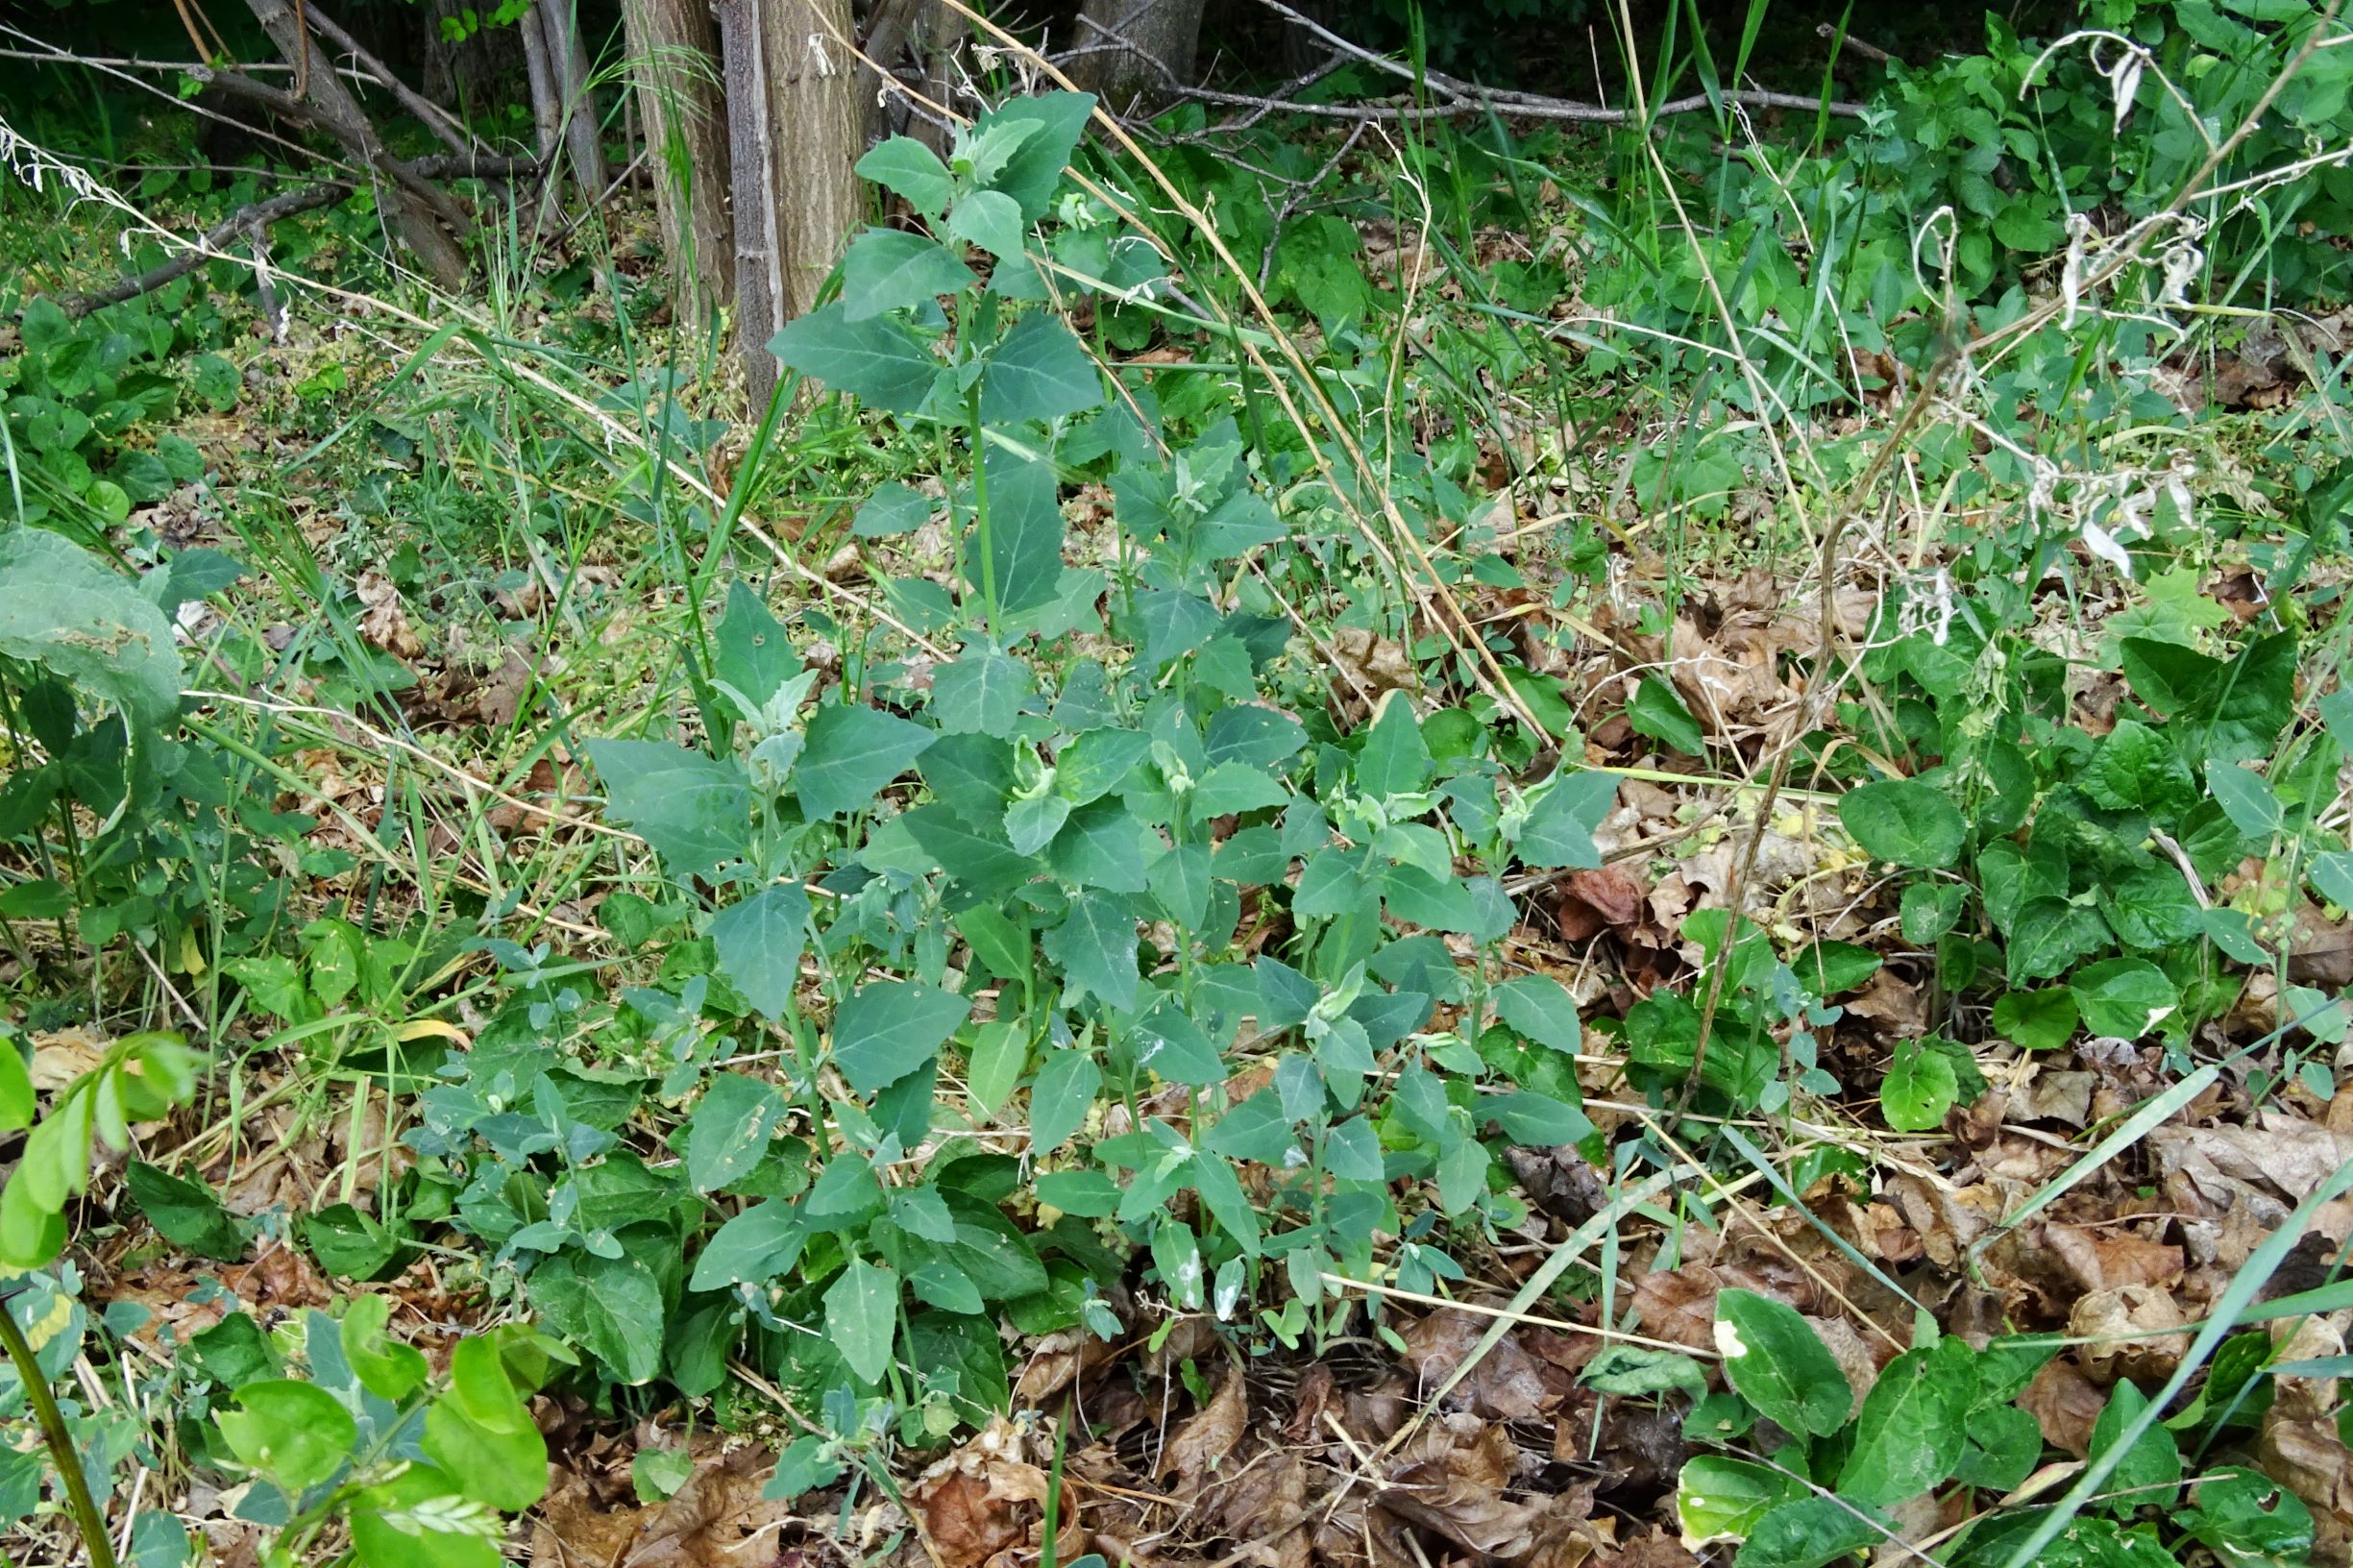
pixel 61 1451
pixel 980 513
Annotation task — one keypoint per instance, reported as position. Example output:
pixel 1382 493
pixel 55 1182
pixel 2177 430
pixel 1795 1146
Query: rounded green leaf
pixel 1906 822
pixel 296 1433
pixel 1919 1088
pixel 2124 998
pixel 1779 1364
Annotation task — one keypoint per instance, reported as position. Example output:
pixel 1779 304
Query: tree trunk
pixel 567 63
pixel 415 210
pixel 1135 53
pixel 546 119
pixel 758 273
pixel 813 101
pixel 674 47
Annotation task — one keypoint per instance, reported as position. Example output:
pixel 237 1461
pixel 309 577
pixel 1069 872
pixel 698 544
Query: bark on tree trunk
pixel 416 211
pixel 1136 50
pixel 673 46
pixel 547 127
pixel 568 61
pixel 758 273
pixel 813 102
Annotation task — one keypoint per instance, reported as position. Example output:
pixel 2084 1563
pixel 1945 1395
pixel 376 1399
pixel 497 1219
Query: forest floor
pixel 1664 862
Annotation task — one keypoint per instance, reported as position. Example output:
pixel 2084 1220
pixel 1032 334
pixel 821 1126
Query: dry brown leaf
pixel 1262 1507
pixel 1451 1480
pixel 2106 1317
pixel 1505 1384
pixel 707 1523
pixel 383 623
pixel 2065 1403
pixel 1209 1436
pixel 2107 1258
pixel 1655 1548
pixel 62 1055
pixel 984 1498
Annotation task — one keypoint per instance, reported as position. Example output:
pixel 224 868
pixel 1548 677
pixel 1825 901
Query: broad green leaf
pixel 981 861
pixel 296 1433
pixel 939 1282
pixel 1919 1088
pixel 1095 946
pixel 695 811
pixel 992 221
pixel 1089 1194
pixel 890 269
pixel 1394 760
pixel 482 1435
pixel 1031 823
pixel 752 1248
pixel 1779 1364
pixel 1832 968
pixel 862 1317
pixel 879 362
pixel 1025 535
pixel 418 1518
pixel 1179 881
pixel 1060 1099
pixel 1905 820
pixel 909 169
pixel 1038 371
pixel 31 1231
pixel 1638 1369
pixel 1101 846
pixel 189 1214
pixel 1100 761
pixel 1809 1533
pixel 1657 711
pixel 2246 798
pixel 733 1122
pixel 980 693
pixel 2149 1475
pixel 888 1029
pixel 1912 1426
pixel 994 1256
pixel 749 651
pixel 1053 123
pixel 1558 830
pixel 384 1366
pixel 63 608
pixel 2004 1443
pixel 2124 998
pixel 1928 910
pixel 2245 1516
pixel 892 508
pixel 17 1104
pixel 1717 1499
pixel 758 942
pixel 1535 1120
pixel 2050 934
pixel 1235 787
pixel 2331 876
pixel 1540 1008
pixel 609 1307
pixel 853 753
pixel 993 1064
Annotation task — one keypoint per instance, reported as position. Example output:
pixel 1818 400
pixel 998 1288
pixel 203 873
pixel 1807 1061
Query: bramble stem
pixel 61 1451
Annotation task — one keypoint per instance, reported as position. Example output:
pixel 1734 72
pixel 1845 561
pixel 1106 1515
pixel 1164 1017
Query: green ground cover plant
pixel 1061 835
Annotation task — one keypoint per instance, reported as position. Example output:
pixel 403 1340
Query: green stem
pixel 61 1451
pixel 980 513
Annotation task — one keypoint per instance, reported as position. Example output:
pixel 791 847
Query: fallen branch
pixel 250 220
pixel 1459 97
pixel 244 220
pixel 444 125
